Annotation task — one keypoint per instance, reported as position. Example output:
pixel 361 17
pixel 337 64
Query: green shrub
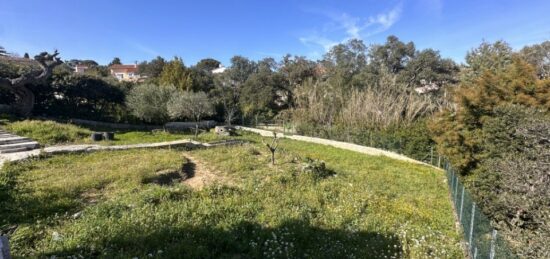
pixel 48 132
pixel 316 168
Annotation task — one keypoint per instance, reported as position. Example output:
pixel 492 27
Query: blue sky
pixel 140 30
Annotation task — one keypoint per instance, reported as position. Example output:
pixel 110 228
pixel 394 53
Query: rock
pixel 224 130
pixel 182 126
pixel 77 215
pixel 96 136
pixel 108 135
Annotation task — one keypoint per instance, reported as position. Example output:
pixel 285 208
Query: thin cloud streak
pixel 353 27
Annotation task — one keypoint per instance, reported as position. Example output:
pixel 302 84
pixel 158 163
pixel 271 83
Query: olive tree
pixel 25 98
pixel 149 102
pixel 192 105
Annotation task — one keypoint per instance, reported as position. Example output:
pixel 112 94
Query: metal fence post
pixel 493 241
pixel 456 188
pixel 472 226
pixel 461 205
pixel 452 182
pixel 432 155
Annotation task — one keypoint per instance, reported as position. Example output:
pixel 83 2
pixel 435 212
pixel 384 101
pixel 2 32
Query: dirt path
pixel 199 173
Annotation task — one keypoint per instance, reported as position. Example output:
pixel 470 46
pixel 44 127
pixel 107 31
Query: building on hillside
pixel 219 70
pixel 427 87
pixel 125 72
pixel 80 69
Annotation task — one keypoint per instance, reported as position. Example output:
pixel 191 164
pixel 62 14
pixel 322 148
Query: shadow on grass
pixel 19 205
pixel 291 239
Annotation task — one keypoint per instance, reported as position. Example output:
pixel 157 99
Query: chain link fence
pixel 482 240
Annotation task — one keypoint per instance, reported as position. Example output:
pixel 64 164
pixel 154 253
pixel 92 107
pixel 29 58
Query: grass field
pixel 54 133
pixel 108 204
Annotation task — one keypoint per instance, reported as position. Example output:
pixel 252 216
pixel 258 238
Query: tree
pixel 459 133
pixel 153 68
pixel 427 66
pixel 295 70
pixel 493 57
pixel 227 95
pixel 78 96
pixel 190 105
pixel 393 54
pixel 26 55
pixel 241 68
pixel 149 102
pixel 115 61
pixel 175 73
pixel 512 181
pixel 207 65
pixel 258 95
pixel 18 86
pixel 538 55
pixel 344 61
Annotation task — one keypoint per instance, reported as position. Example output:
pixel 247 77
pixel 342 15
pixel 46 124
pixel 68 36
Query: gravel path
pixel 338 144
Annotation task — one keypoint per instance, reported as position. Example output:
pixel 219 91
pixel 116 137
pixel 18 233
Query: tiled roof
pixel 124 68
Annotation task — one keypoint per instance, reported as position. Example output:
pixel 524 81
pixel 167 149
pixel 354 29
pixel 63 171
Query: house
pixel 125 72
pixel 80 69
pixel 219 70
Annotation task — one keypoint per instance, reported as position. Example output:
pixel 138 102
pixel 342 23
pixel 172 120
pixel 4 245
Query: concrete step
pixel 15 150
pixel 26 145
pixel 14 140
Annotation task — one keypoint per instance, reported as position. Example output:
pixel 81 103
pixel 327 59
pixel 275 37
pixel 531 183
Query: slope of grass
pixel 102 205
pixel 48 132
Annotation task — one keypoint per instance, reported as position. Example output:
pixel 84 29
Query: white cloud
pixel 319 41
pixel 352 27
pixel 386 20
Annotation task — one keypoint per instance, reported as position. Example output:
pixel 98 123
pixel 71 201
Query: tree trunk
pixel 272 157
pixel 24 100
pixel 196 130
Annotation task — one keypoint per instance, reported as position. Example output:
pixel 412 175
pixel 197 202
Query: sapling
pixel 272 147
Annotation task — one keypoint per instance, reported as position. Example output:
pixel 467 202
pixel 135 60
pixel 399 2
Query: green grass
pixel 48 132
pixel 373 207
pixel 55 133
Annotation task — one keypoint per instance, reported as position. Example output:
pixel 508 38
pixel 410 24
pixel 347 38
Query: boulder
pixel 225 130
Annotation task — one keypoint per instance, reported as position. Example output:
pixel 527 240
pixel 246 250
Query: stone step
pixel 14 140
pixel 15 150
pixel 26 145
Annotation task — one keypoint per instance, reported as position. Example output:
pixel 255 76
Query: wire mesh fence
pixel 482 240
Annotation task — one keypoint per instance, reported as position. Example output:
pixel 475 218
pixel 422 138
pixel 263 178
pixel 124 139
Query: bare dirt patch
pixel 199 174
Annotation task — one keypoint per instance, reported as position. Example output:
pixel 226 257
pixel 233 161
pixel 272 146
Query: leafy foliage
pixel 175 73
pixel 189 105
pixel 148 102
pixel 512 180
pixel 459 134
